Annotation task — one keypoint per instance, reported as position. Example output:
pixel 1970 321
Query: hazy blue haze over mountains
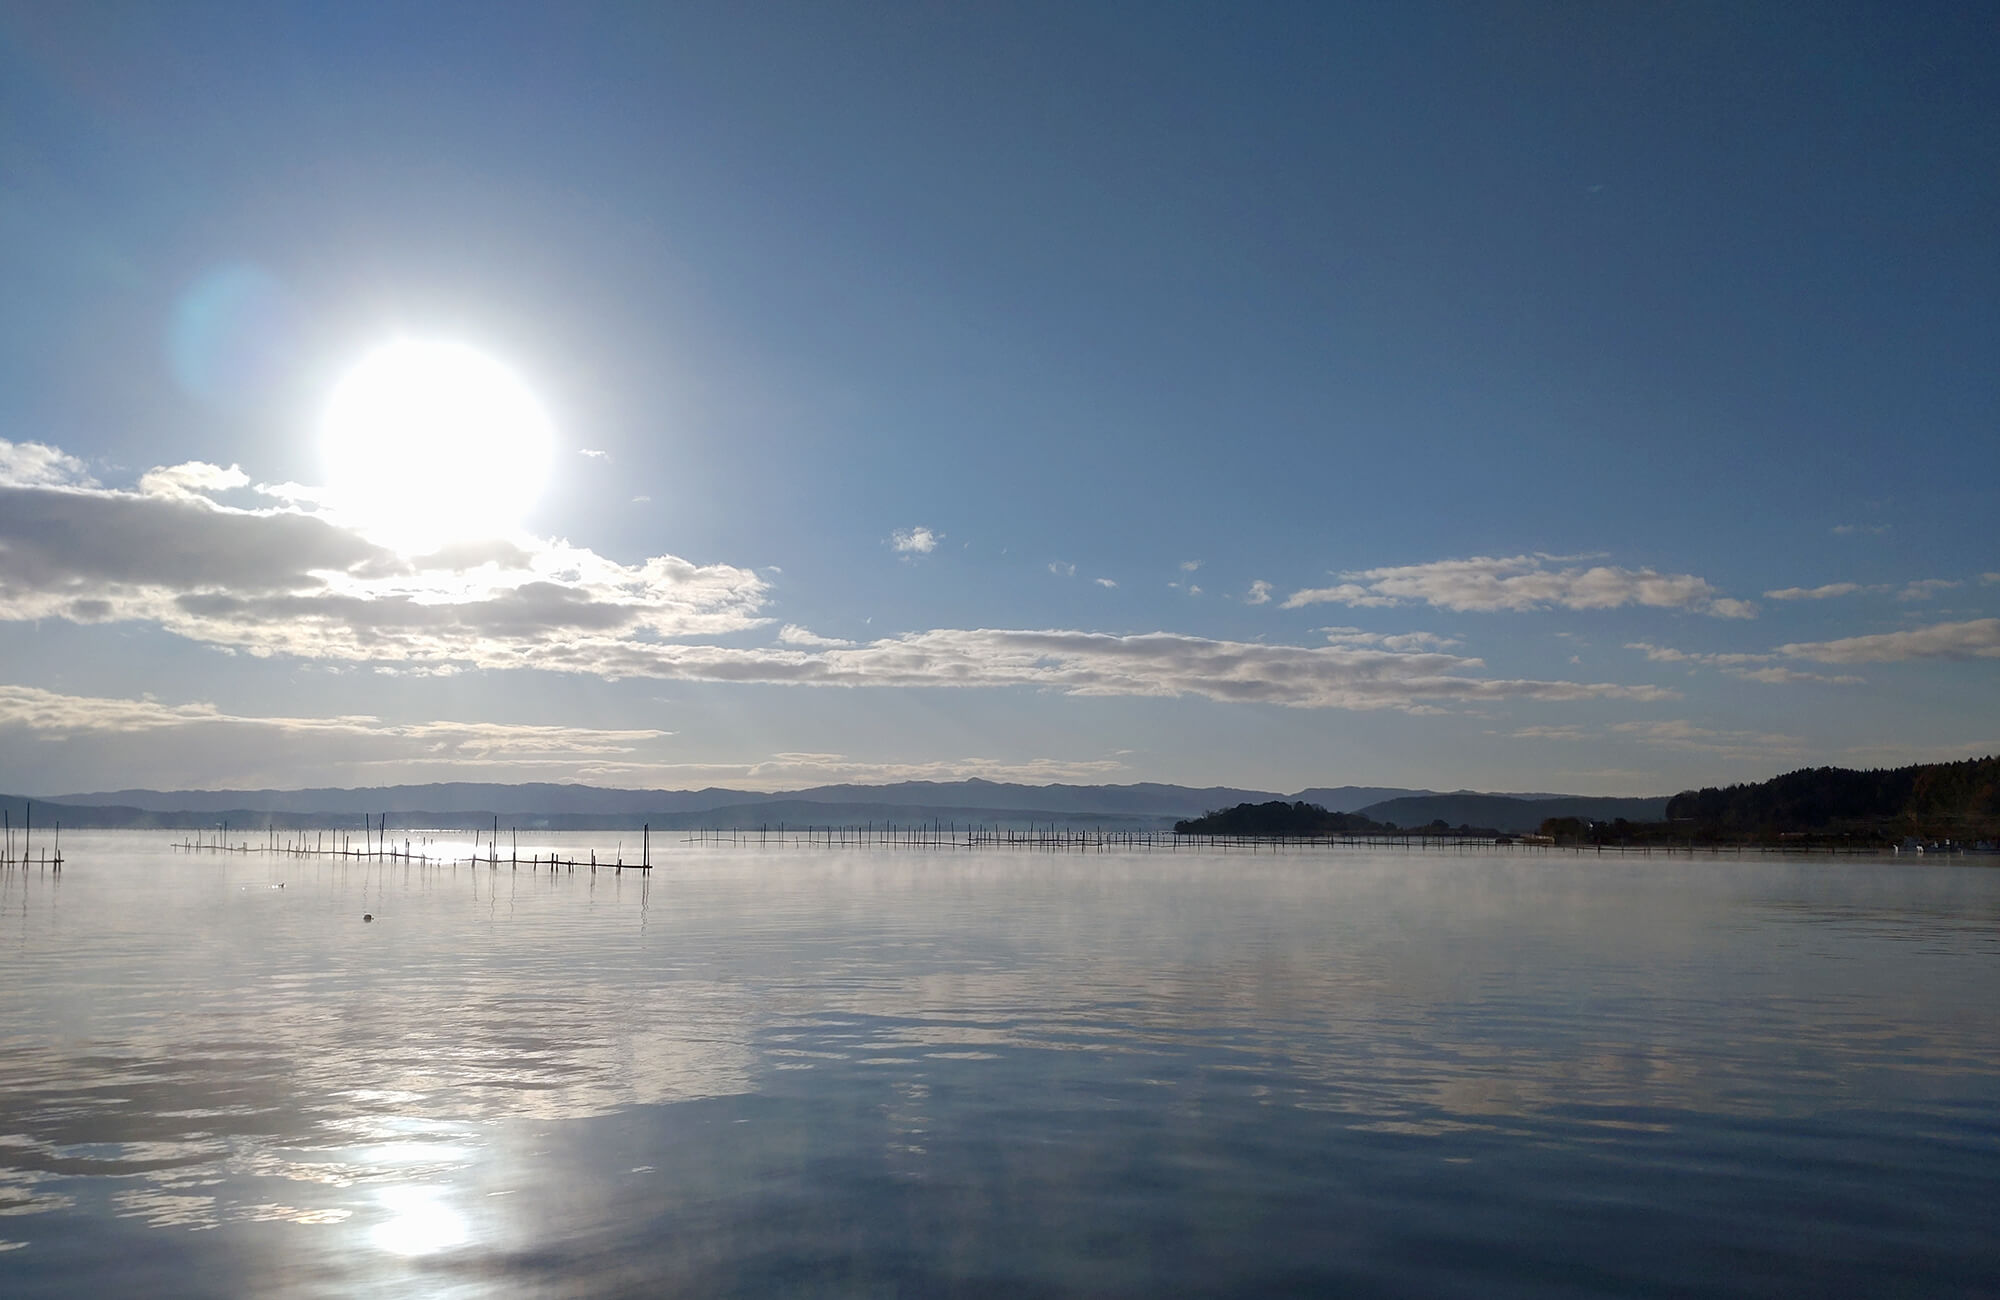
pixel 541 798
pixel 580 807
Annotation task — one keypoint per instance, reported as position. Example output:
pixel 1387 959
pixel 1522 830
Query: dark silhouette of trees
pixel 1280 820
pixel 1950 799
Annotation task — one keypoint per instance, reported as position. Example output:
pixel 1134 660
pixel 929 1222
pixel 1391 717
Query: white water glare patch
pixel 420 1221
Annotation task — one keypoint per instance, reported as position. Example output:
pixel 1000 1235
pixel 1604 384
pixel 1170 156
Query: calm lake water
pixel 999 1073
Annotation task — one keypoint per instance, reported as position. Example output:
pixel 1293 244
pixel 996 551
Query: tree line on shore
pixel 1829 806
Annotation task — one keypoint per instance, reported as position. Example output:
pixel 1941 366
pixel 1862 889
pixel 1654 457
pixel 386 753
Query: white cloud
pixel 592 453
pixel 1260 592
pixel 1089 663
pixel 194 478
pixel 1389 641
pixel 197 744
pixel 915 541
pixel 1660 654
pixel 822 769
pixel 1827 592
pixel 1062 570
pixel 1976 639
pixel 36 464
pixel 1989 579
pixel 1688 736
pixel 1523 582
pixel 1848 530
pixel 1747 667
pixel 793 634
pixel 283 581
pixel 50 715
pixel 1189 566
pixel 1105 582
pixel 1925 588
pixel 1346 593
pixel 1781 675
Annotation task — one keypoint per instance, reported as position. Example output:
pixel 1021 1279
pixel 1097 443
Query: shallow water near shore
pixel 762 1071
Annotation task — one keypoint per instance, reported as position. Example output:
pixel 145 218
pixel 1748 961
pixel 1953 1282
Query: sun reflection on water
pixel 420 1221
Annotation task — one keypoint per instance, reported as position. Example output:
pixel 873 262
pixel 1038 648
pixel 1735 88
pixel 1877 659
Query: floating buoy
pixel 367 916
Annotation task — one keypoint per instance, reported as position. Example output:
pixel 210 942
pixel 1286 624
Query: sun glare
pixel 429 442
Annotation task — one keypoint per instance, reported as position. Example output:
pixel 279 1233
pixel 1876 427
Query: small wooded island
pixel 1280 820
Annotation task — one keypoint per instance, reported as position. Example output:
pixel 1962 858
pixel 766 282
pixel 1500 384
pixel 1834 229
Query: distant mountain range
pixel 1145 806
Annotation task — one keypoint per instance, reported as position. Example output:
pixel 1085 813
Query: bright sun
pixel 428 443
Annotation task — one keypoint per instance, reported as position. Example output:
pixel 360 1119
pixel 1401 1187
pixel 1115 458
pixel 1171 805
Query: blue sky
pixel 1594 398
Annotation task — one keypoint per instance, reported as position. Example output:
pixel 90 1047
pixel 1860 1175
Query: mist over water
pixel 917 1072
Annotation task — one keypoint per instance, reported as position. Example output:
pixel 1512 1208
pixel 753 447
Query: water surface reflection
pixel 763 1070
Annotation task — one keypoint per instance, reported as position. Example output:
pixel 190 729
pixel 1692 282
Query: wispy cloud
pixel 1260 592
pixel 1520 583
pixel 1388 640
pixel 1105 582
pixel 1189 566
pixel 1680 735
pixel 1100 664
pixel 1062 570
pixel 807 768
pixel 1693 738
pixel 1346 593
pixel 592 453
pixel 1778 674
pixel 1976 639
pixel 199 744
pixel 51 715
pixel 1925 588
pixel 1827 592
pixel 915 541
pixel 1750 667
pixel 1660 654
pixel 1849 530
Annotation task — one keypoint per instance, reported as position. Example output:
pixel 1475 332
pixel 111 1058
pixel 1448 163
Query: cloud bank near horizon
pixel 198 745
pixel 282 580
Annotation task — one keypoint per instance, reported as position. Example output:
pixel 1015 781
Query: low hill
pixel 1930 800
pixel 1277 819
